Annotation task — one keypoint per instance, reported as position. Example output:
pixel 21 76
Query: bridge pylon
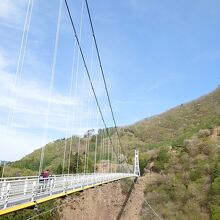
pixel 136 163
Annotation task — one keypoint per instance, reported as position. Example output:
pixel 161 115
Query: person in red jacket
pixel 46 174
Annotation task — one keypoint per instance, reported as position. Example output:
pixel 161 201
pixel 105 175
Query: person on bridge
pixel 46 174
pixel 43 180
pixel 41 177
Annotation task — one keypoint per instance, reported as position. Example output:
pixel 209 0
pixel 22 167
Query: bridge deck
pixel 21 192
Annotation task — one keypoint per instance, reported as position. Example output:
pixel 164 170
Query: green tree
pixel 143 163
pixel 74 160
pixel 59 169
pixel 1 168
pixel 162 159
pixel 215 193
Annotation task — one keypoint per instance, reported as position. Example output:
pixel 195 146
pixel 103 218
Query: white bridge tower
pixel 136 163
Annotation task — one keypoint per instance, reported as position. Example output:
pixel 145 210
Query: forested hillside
pixel 173 126
pixel 182 145
pixel 188 186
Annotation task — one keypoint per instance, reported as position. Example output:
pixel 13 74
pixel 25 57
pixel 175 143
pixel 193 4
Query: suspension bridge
pixel 21 192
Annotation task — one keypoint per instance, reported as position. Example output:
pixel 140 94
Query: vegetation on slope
pixel 179 144
pixel 54 153
pixel 214 194
pixel 169 128
pixel 50 213
pixel 189 184
pixel 175 125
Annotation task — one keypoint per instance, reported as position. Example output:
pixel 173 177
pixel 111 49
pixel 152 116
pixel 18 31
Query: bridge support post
pixel 64 184
pixel 51 186
pixel 25 186
pixel 136 163
pixel 33 198
pixel 7 195
pixel 3 188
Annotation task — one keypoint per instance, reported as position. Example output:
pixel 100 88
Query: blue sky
pixel 155 54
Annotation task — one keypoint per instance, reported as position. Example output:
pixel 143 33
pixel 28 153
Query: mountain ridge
pixel 166 129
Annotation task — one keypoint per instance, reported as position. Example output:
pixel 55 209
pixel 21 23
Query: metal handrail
pixel 18 190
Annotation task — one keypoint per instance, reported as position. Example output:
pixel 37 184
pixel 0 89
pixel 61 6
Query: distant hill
pixel 2 162
pixel 174 125
pixel 168 128
pixel 181 146
pixel 53 152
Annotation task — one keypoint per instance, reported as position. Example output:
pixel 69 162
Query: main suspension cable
pixel 88 74
pixel 85 65
pixel 102 71
pixel 103 75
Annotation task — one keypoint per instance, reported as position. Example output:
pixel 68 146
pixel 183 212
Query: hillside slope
pixel 169 128
pixel 182 146
pixel 189 183
pixel 173 126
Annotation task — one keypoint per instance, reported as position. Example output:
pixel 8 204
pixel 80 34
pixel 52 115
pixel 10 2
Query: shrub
pixel 59 169
pixel 143 161
pixel 1 168
pixel 28 213
pixel 162 159
pixel 204 133
pixel 194 175
pixel 215 212
pixel 191 147
pixel 216 171
pixel 178 142
pixel 215 188
pixel 215 193
pixel 207 150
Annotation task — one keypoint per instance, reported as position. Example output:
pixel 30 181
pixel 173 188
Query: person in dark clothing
pixel 41 177
pixel 41 182
pixel 46 179
pixel 46 174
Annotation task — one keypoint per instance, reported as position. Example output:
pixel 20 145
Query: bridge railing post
pixel 33 197
pixel 77 179
pixel 51 186
pixel 7 195
pixel 3 188
pixel 25 186
pixel 64 184
pixel 87 179
pixel 72 180
pixel 94 180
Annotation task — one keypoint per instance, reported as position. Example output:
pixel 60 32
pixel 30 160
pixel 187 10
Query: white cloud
pixel 29 101
pixel 32 90
pixel 29 98
pixel 12 12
